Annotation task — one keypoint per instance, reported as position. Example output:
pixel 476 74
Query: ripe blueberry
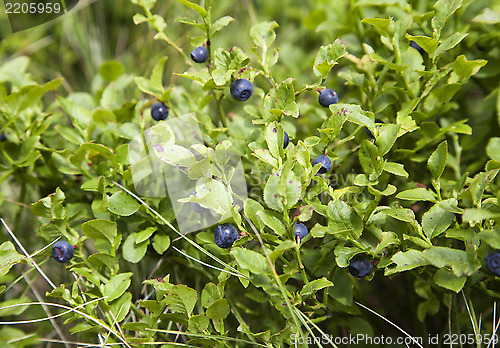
pixel 417 47
pixel 225 235
pixel 159 111
pixel 300 230
pixel 199 54
pixel 327 97
pixel 241 89
pixel 369 133
pixel 359 266
pixel 286 140
pixel 492 262
pixel 326 163
pixel 62 251
pixel 3 137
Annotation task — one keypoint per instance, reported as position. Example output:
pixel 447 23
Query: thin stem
pixel 283 290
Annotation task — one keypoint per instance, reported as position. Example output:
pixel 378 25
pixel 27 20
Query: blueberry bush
pixel 369 135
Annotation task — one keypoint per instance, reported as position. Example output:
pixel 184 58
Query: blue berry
pixel 159 111
pixel 62 251
pixel 326 163
pixel 301 230
pixel 417 47
pixel 286 140
pixel 492 262
pixel 369 133
pixel 3 137
pixel 199 54
pixel 359 266
pixel 225 235
pixel 327 97
pixel 241 89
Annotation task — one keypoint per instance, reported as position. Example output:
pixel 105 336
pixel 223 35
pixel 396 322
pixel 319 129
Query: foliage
pixel 420 199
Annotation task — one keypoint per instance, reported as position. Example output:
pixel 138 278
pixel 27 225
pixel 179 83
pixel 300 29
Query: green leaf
pixel 491 237
pixel 446 257
pixel 444 9
pixel 116 286
pixel 198 323
pixel 283 102
pixel 464 68
pixel 121 307
pixel 396 169
pixel 446 279
pixel 8 257
pixel 417 194
pixel 312 287
pixel 132 250
pixel 157 76
pixel 273 143
pixel 319 231
pixel 342 291
pixel 369 158
pixel 14 70
pixel 388 191
pixel 272 222
pixel 450 42
pixel 427 43
pixel 251 260
pixel 201 11
pixel 493 148
pixel 487 16
pixel 98 229
pixel 219 24
pixel 145 3
pixel 103 259
pixel 355 114
pixel 387 136
pixel 437 161
pixel 218 310
pixel 181 299
pixel 121 203
pixel 192 22
pixel 265 156
pixel 139 18
pixel 145 234
pixel 209 295
pixel 304 213
pixel 342 218
pixel 251 208
pixel 437 220
pixel 93 149
pixel 111 70
pixel 335 122
pixel 327 57
pixel 382 25
pixel 406 261
pixel 28 96
pixel 50 206
pixel 175 155
pixel 477 214
pixel 271 194
pixel 388 238
pixel 161 242
pixel 263 34
pixel 281 248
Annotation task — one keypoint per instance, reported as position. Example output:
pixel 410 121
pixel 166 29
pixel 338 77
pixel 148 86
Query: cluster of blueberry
pixel 226 234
